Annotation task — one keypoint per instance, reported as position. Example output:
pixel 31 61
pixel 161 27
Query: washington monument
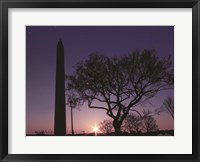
pixel 60 115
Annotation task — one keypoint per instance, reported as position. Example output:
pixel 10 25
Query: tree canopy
pixel 117 84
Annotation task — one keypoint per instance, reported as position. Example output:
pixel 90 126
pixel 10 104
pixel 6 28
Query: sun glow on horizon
pixel 95 129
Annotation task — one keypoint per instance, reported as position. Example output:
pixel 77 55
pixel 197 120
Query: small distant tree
pixel 73 101
pixel 116 85
pixel 106 126
pixel 149 122
pixel 169 105
pixel 133 123
pixel 72 97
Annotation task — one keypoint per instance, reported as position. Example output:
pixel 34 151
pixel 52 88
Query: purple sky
pixel 79 42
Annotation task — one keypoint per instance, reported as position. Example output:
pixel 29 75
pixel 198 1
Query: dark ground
pixel 156 133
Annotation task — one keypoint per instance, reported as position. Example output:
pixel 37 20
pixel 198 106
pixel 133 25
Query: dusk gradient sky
pixel 79 42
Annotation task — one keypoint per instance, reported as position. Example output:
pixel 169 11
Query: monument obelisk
pixel 60 115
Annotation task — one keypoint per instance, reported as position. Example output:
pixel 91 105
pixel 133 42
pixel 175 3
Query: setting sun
pixel 95 129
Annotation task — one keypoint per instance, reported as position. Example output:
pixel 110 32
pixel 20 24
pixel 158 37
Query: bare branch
pixel 96 107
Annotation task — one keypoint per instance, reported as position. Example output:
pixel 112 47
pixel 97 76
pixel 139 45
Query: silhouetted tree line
pixel 132 124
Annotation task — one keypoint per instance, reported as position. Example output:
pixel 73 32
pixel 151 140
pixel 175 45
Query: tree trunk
pixel 117 127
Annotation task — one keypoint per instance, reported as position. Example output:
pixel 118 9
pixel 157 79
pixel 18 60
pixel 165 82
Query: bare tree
pixel 133 123
pixel 106 126
pixel 149 122
pixel 117 84
pixel 73 101
pixel 169 105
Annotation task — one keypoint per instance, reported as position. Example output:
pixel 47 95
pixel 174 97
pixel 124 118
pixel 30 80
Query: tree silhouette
pixel 133 123
pixel 106 126
pixel 73 101
pixel 169 105
pixel 149 122
pixel 118 84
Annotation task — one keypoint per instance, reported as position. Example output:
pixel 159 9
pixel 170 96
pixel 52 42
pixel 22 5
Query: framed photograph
pixel 104 80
